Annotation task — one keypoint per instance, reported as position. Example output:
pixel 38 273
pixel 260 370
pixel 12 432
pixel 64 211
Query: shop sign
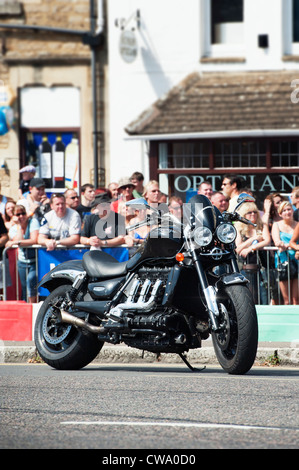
pixel 259 184
pixel 128 46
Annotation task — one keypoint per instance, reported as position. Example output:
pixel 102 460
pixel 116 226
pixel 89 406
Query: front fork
pixel 209 293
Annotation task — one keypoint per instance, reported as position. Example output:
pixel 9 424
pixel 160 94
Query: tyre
pixel 61 345
pixel 236 345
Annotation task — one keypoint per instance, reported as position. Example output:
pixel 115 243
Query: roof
pixel 215 102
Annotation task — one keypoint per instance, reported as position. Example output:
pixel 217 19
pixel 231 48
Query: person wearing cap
pixel 125 191
pixel 27 173
pixel 60 226
pixel 36 202
pixel 104 227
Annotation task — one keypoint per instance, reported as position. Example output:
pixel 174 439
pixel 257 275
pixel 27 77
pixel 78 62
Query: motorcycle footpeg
pixel 116 314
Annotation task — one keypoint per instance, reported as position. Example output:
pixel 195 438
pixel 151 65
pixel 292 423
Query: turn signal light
pixel 180 257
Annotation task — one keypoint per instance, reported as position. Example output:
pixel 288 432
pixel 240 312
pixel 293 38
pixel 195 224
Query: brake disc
pixel 223 337
pixel 54 332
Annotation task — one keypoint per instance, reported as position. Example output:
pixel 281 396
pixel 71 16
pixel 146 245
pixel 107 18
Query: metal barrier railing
pixel 36 247
pixel 267 278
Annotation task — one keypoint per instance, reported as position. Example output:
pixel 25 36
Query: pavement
pixel 267 354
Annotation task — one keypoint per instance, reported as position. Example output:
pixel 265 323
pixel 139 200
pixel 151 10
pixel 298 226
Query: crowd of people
pixel 101 218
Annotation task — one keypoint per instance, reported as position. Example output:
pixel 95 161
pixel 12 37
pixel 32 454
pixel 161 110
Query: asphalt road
pixel 135 406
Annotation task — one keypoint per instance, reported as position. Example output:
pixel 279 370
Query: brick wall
pixel 68 14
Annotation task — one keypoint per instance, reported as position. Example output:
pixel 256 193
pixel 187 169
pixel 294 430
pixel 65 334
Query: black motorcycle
pixel 181 285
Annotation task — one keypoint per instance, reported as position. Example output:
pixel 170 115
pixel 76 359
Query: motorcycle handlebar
pixel 149 220
pixel 235 217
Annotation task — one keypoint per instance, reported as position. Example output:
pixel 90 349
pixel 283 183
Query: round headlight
pixel 202 236
pixel 226 233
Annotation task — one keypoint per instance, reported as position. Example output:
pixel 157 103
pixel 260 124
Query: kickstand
pixel 189 365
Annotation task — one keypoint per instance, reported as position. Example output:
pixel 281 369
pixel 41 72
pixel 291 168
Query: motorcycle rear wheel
pixel 236 346
pixel 60 345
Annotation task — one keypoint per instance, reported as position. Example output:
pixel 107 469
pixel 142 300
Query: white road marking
pixel 173 425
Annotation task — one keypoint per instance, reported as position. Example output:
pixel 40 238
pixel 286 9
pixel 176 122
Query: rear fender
pixel 64 273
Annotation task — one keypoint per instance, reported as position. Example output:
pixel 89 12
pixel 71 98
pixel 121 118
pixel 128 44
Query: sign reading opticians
pixel 260 184
pixel 128 46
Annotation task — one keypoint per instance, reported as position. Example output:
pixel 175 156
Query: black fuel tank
pixel 162 242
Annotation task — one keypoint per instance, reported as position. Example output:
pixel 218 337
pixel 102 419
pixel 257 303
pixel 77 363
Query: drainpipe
pixel 94 96
pixel 96 30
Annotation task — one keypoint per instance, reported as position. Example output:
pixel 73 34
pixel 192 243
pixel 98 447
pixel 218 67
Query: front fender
pixel 231 280
pixel 64 273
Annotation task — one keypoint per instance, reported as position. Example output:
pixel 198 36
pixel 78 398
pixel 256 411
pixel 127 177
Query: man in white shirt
pixel 60 226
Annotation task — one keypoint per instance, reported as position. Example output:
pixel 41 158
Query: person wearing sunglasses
pixel 231 188
pixel 282 235
pixel 24 233
pixel 125 193
pixel 250 242
pixel 152 192
pixel 72 199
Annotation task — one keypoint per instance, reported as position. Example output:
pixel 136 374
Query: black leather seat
pixel 101 265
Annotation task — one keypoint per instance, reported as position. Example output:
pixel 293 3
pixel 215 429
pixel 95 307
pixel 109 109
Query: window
pixel 240 154
pixel 291 27
pixel 55 156
pixel 50 134
pixel 185 155
pixel 285 154
pixel 227 22
pixel 223 25
pixel 295 20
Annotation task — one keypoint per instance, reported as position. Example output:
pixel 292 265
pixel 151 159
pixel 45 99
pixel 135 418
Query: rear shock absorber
pixel 76 286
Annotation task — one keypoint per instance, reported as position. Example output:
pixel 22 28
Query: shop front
pixel 266 165
pixel 50 134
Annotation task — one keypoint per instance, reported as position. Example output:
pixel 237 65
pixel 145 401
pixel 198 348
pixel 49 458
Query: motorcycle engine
pixel 146 325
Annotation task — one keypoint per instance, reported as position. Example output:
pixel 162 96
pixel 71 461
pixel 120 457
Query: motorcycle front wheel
pixel 236 344
pixel 61 345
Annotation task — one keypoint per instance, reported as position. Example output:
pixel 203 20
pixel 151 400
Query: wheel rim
pixel 56 336
pixel 223 338
pixel 54 331
pixel 227 339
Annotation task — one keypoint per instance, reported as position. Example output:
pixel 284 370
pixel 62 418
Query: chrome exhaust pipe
pixel 72 320
pixel 141 306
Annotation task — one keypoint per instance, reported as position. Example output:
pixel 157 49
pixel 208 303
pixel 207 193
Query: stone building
pixel 52 59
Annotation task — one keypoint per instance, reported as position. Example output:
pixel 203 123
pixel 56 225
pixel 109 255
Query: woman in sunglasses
pixel 282 234
pixel 24 234
pixel 249 244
